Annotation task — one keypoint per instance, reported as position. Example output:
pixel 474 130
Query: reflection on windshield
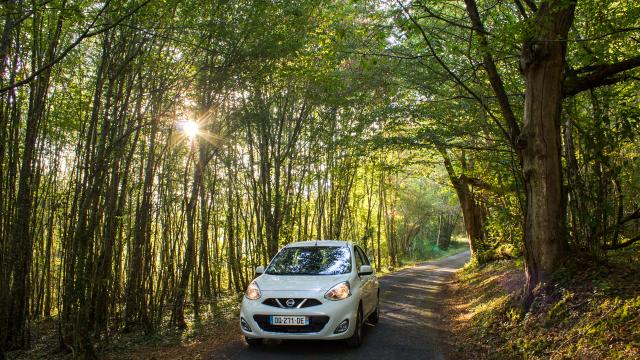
pixel 311 260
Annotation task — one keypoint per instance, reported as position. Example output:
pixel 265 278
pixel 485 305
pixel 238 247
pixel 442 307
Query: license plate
pixel 288 320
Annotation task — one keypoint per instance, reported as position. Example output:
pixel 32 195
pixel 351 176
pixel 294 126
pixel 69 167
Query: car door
pixel 363 280
pixel 373 281
pixel 368 300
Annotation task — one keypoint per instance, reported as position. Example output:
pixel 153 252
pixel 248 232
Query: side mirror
pixel 259 270
pixel 365 270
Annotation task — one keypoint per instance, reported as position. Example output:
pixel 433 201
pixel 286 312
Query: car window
pixel 311 260
pixel 359 261
pixel 365 259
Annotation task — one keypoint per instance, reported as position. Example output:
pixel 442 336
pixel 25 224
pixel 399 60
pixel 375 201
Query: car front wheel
pixel 253 342
pixel 356 339
pixel 375 315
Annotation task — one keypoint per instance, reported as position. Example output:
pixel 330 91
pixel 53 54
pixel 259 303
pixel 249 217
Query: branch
pixel 532 5
pixel 451 22
pixel 453 75
pixel 85 35
pixel 599 75
pixel 521 9
pixel 634 215
pixel 622 245
pixel 387 55
pixel 614 32
pixel 494 75
pixel 479 183
pixel 447 164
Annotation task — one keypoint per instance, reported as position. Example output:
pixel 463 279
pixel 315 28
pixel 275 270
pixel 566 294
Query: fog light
pixel 344 326
pixel 244 325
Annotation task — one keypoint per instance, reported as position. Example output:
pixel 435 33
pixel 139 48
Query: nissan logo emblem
pixel 290 302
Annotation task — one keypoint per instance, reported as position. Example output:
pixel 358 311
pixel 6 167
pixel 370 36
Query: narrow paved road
pixel 407 328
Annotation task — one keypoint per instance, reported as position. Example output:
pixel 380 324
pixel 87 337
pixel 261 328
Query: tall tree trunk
pixel 177 316
pixel 543 64
pixel 134 292
pixel 16 331
pixel 381 201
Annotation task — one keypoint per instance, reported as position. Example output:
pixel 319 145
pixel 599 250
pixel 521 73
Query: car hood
pixel 320 283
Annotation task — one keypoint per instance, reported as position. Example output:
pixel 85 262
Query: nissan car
pixel 312 290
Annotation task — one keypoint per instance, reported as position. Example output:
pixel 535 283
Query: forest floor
pixel 212 331
pixel 592 312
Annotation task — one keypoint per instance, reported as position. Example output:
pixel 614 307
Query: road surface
pixel 407 329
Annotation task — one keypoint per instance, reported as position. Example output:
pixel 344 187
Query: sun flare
pixel 190 128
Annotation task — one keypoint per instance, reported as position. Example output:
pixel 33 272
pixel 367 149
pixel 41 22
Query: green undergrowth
pixel 592 311
pixel 129 345
pixel 210 321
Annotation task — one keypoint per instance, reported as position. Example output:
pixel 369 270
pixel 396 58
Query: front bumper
pixel 330 313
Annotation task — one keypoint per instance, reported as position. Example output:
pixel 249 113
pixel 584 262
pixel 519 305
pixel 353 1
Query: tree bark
pixel 21 237
pixel 134 312
pixel 177 316
pixel 543 64
pixel 473 214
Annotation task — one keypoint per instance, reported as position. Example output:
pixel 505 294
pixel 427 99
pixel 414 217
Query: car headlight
pixel 339 291
pixel 253 291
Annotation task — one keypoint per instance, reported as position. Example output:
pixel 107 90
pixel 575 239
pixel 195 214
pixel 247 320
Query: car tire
pixel 356 339
pixel 253 342
pixel 375 315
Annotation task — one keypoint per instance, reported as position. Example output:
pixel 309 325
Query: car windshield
pixel 311 260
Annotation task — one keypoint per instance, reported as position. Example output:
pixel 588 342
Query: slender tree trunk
pixel 17 334
pixel 177 316
pixel 381 201
pixel 134 292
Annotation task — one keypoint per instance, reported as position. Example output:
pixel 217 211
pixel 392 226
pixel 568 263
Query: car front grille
pixel 297 303
pixel 316 324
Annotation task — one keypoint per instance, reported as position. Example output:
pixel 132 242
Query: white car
pixel 321 290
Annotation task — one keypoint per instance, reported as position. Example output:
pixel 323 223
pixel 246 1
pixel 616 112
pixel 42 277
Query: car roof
pixel 320 243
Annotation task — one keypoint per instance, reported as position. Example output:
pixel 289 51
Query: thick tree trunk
pixel 538 145
pixel 543 65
